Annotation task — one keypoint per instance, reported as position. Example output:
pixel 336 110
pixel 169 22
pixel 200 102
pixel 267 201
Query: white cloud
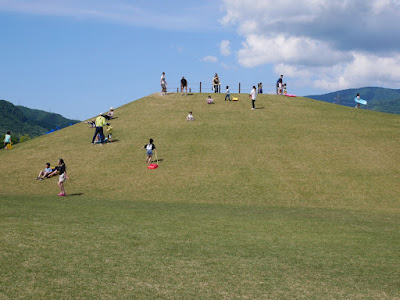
pixel 174 16
pixel 258 50
pixel 330 44
pixel 210 58
pixel 225 48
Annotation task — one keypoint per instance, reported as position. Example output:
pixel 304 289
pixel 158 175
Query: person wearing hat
pixel 100 122
pixel 110 114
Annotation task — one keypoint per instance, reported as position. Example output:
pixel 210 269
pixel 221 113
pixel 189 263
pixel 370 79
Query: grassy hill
pixel 297 199
pixel 379 99
pixel 21 120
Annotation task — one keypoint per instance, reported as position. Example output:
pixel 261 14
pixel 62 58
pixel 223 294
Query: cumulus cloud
pixel 225 48
pixel 332 43
pixel 210 58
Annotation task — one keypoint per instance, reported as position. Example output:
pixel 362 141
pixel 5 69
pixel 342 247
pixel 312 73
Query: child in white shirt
pixel 227 95
pixel 190 117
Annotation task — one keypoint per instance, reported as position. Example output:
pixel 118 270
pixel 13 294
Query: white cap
pixel 111 108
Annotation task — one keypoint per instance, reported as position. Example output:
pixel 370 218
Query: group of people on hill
pixel 150 148
pixel 60 170
pixel 281 88
pixel 98 124
pixel 163 83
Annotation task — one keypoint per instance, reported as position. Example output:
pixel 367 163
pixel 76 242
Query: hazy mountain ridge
pixel 379 99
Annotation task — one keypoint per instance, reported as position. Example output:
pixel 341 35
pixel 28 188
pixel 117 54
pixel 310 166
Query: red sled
pixel 152 166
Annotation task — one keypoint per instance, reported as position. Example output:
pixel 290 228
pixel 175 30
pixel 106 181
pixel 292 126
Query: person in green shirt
pixel 100 122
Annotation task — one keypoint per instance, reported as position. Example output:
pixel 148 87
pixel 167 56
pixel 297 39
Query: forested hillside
pixel 21 120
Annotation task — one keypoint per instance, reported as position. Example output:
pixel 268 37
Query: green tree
pixel 24 138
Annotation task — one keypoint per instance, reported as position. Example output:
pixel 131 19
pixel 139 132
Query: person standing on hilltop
pixel 163 83
pixel 279 85
pixel 216 83
pixel 100 122
pixel 253 96
pixel 184 85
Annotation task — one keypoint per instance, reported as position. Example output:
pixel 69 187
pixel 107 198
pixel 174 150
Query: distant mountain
pixel 379 99
pixel 21 120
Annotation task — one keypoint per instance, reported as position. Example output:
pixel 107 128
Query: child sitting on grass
pixel 190 117
pixel 209 100
pixel 45 173
pixel 92 123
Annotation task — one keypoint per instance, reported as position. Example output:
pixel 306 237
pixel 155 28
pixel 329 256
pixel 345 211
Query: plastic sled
pixel 361 101
pixel 9 146
pixel 235 98
pixel 290 95
pixel 152 166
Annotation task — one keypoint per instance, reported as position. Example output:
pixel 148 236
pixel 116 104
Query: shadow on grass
pixel 76 194
pixel 113 141
pixel 262 107
pixel 159 160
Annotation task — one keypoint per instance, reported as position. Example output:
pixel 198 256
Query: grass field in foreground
pixel 96 249
pixel 297 199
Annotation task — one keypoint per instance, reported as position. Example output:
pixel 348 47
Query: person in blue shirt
pixel 45 173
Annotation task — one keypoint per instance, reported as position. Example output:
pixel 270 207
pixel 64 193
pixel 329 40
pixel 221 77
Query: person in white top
pixel 190 116
pixel 163 84
pixel 253 96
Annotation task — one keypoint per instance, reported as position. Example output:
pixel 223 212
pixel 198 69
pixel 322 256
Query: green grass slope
pixel 297 199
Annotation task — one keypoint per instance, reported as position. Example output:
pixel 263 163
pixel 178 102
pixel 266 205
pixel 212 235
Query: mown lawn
pixel 96 249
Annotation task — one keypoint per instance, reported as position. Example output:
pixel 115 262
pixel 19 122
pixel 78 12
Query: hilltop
pixel 379 99
pixel 21 120
pixel 299 198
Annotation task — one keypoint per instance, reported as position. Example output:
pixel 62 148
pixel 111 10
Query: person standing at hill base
pixel 184 85
pixel 253 96
pixel 62 171
pixel 279 85
pixel 100 122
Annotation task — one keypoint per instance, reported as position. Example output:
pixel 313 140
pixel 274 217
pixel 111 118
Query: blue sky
pixel 78 58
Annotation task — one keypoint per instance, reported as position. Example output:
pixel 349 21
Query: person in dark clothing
pixel 279 85
pixel 184 85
